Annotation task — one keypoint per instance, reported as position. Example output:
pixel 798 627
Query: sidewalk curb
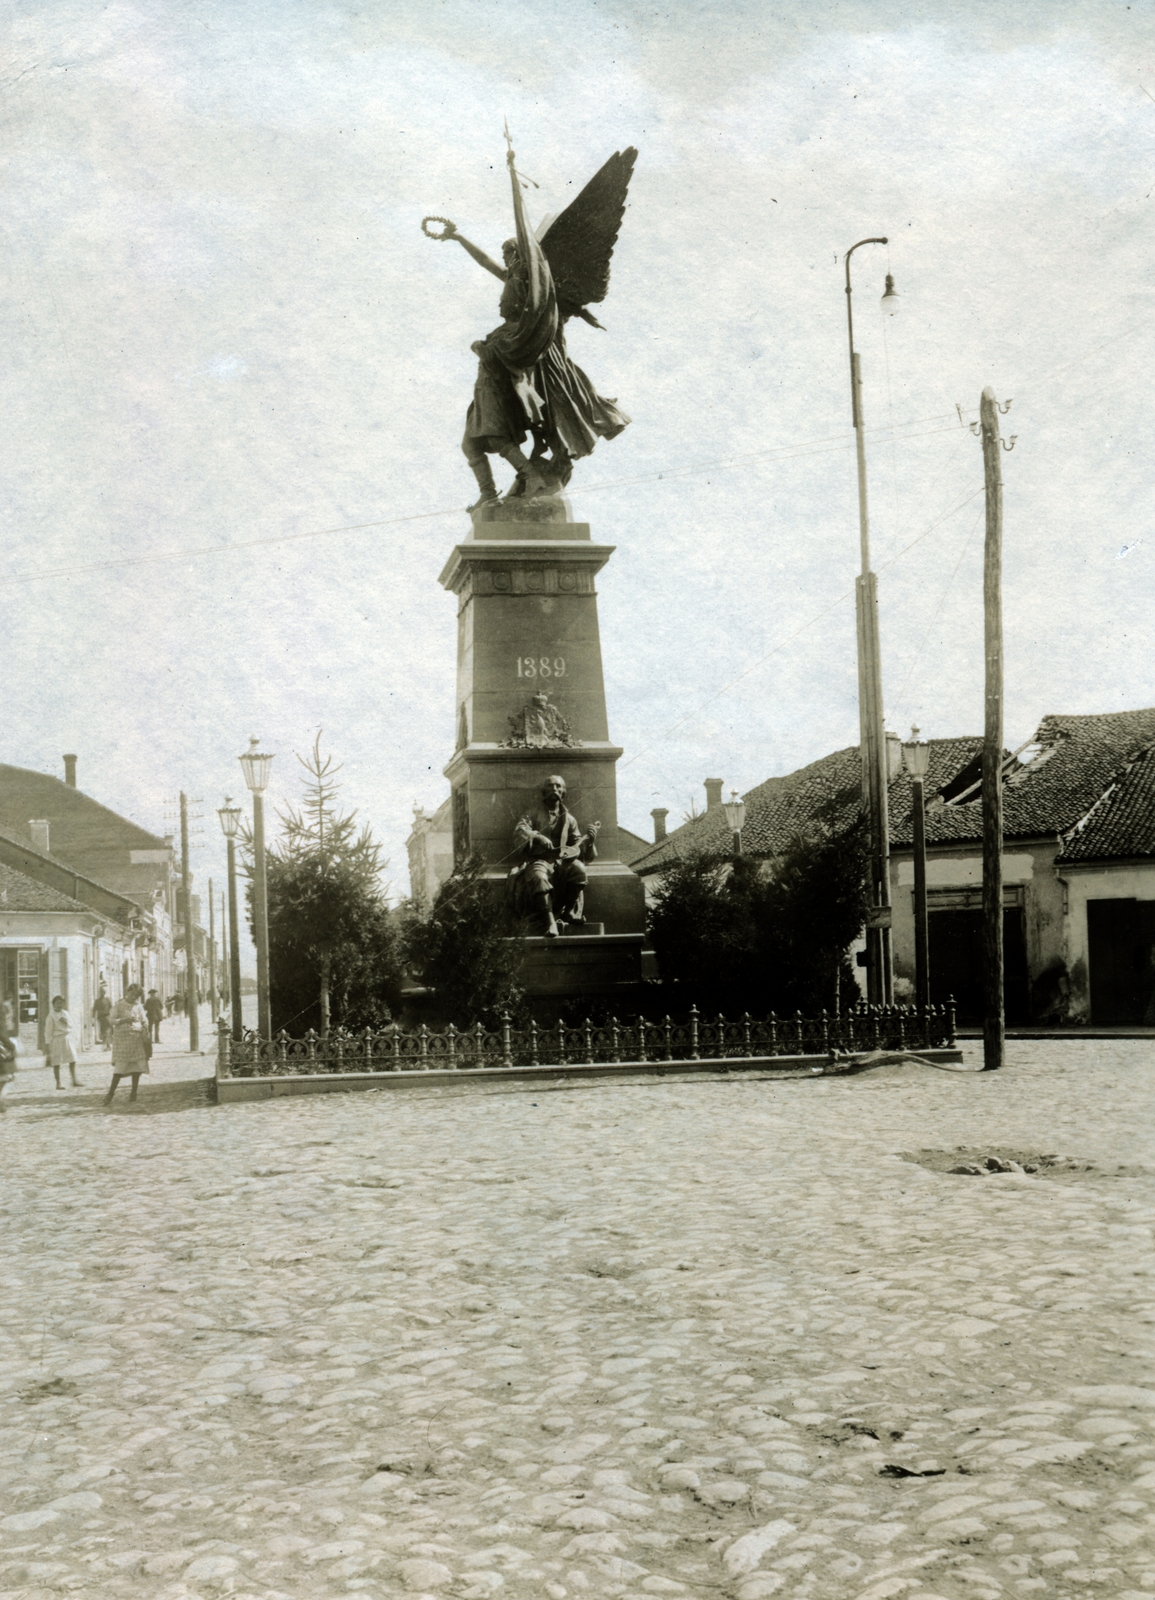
pixel 235 1090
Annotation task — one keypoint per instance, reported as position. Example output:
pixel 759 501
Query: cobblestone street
pixel 687 1338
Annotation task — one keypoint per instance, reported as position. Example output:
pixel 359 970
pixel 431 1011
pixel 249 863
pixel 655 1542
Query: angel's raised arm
pixel 449 231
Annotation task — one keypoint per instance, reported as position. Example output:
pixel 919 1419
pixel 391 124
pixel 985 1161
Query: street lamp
pixel 872 738
pixel 916 760
pixel 230 816
pixel 735 809
pixel 255 767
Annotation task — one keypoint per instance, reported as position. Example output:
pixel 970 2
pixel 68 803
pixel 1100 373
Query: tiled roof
pixel 1121 823
pixel 18 893
pixel 1053 788
pixel 631 845
pixel 45 868
pixel 776 811
pixel 1059 779
pixel 80 825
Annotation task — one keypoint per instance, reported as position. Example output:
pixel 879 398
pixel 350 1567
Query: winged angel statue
pixel 526 382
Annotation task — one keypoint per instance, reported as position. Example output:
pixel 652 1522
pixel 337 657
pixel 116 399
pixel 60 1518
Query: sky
pixel 235 374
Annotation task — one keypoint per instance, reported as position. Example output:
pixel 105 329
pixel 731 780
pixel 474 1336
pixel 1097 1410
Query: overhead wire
pixel 809 623
pixel 938 609
pixel 833 442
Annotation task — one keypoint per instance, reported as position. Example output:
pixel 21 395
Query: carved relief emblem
pixel 539 726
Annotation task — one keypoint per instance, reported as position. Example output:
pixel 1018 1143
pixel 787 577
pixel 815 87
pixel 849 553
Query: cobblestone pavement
pixel 687 1338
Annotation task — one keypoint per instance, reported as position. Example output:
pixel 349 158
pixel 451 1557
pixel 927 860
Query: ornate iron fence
pixel 626 1041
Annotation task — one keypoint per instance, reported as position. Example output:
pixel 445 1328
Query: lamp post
pixel 735 809
pixel 916 759
pixel 230 817
pixel 870 710
pixel 255 767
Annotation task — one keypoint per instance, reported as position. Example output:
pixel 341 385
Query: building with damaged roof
pixel 1078 863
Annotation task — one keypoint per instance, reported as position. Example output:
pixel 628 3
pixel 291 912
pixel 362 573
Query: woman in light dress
pixel 130 1050
pixel 7 1049
pixel 58 1042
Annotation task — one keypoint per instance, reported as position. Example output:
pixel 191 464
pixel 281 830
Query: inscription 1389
pixel 541 666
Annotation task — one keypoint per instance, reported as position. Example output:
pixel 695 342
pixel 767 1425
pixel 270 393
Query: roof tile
pixel 1077 758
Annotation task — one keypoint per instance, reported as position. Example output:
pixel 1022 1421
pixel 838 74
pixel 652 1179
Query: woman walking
pixel 58 1043
pixel 7 1050
pixel 130 1044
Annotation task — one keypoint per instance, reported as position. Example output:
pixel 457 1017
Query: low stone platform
pixel 581 965
pixel 231 1090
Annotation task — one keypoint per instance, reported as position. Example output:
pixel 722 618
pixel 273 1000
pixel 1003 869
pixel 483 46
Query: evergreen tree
pixel 333 943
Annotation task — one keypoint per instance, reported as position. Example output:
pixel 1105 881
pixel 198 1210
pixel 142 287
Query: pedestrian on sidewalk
pixel 7 1051
pixel 102 1011
pixel 131 1046
pixel 58 1042
pixel 154 1011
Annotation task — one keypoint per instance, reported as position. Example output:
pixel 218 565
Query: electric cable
pixel 817 617
pixel 783 452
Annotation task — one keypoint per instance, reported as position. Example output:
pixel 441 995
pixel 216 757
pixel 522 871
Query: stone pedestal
pixel 528 629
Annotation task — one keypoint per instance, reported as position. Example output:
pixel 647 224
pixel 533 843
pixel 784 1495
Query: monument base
pixel 582 967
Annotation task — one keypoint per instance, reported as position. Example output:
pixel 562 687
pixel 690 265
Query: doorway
pixel 956 964
pixel 1121 954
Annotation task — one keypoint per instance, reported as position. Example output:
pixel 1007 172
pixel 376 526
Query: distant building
pixel 1078 874
pixel 62 821
pixel 430 851
pixel 631 845
pixel 1078 863
pixel 91 901
pixel 61 933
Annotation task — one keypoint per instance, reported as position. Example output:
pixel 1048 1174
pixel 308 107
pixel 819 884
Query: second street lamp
pixel 230 817
pixel 255 766
pixel 735 809
pixel 916 759
pixel 875 777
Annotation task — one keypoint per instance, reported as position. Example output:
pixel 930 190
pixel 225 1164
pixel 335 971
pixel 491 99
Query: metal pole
pixel 190 960
pixel 224 977
pixel 738 842
pixel 875 777
pixel 223 980
pixel 212 955
pixel 234 945
pixel 261 916
pixel 921 920
pixel 992 788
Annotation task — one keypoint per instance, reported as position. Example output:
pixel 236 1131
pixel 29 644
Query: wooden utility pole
pixel 212 954
pixel 190 957
pixel 992 784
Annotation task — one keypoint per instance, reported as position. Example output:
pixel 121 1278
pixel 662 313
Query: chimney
pixel 70 771
pixel 713 793
pixel 659 814
pixel 38 832
pixel 893 756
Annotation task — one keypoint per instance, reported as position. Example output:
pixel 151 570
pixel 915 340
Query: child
pixel 61 1051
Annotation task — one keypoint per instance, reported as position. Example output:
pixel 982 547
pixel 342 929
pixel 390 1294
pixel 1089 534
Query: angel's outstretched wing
pixel 579 243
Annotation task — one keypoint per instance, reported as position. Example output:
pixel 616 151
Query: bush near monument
pixel 462 949
pixel 334 944
pixel 729 939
